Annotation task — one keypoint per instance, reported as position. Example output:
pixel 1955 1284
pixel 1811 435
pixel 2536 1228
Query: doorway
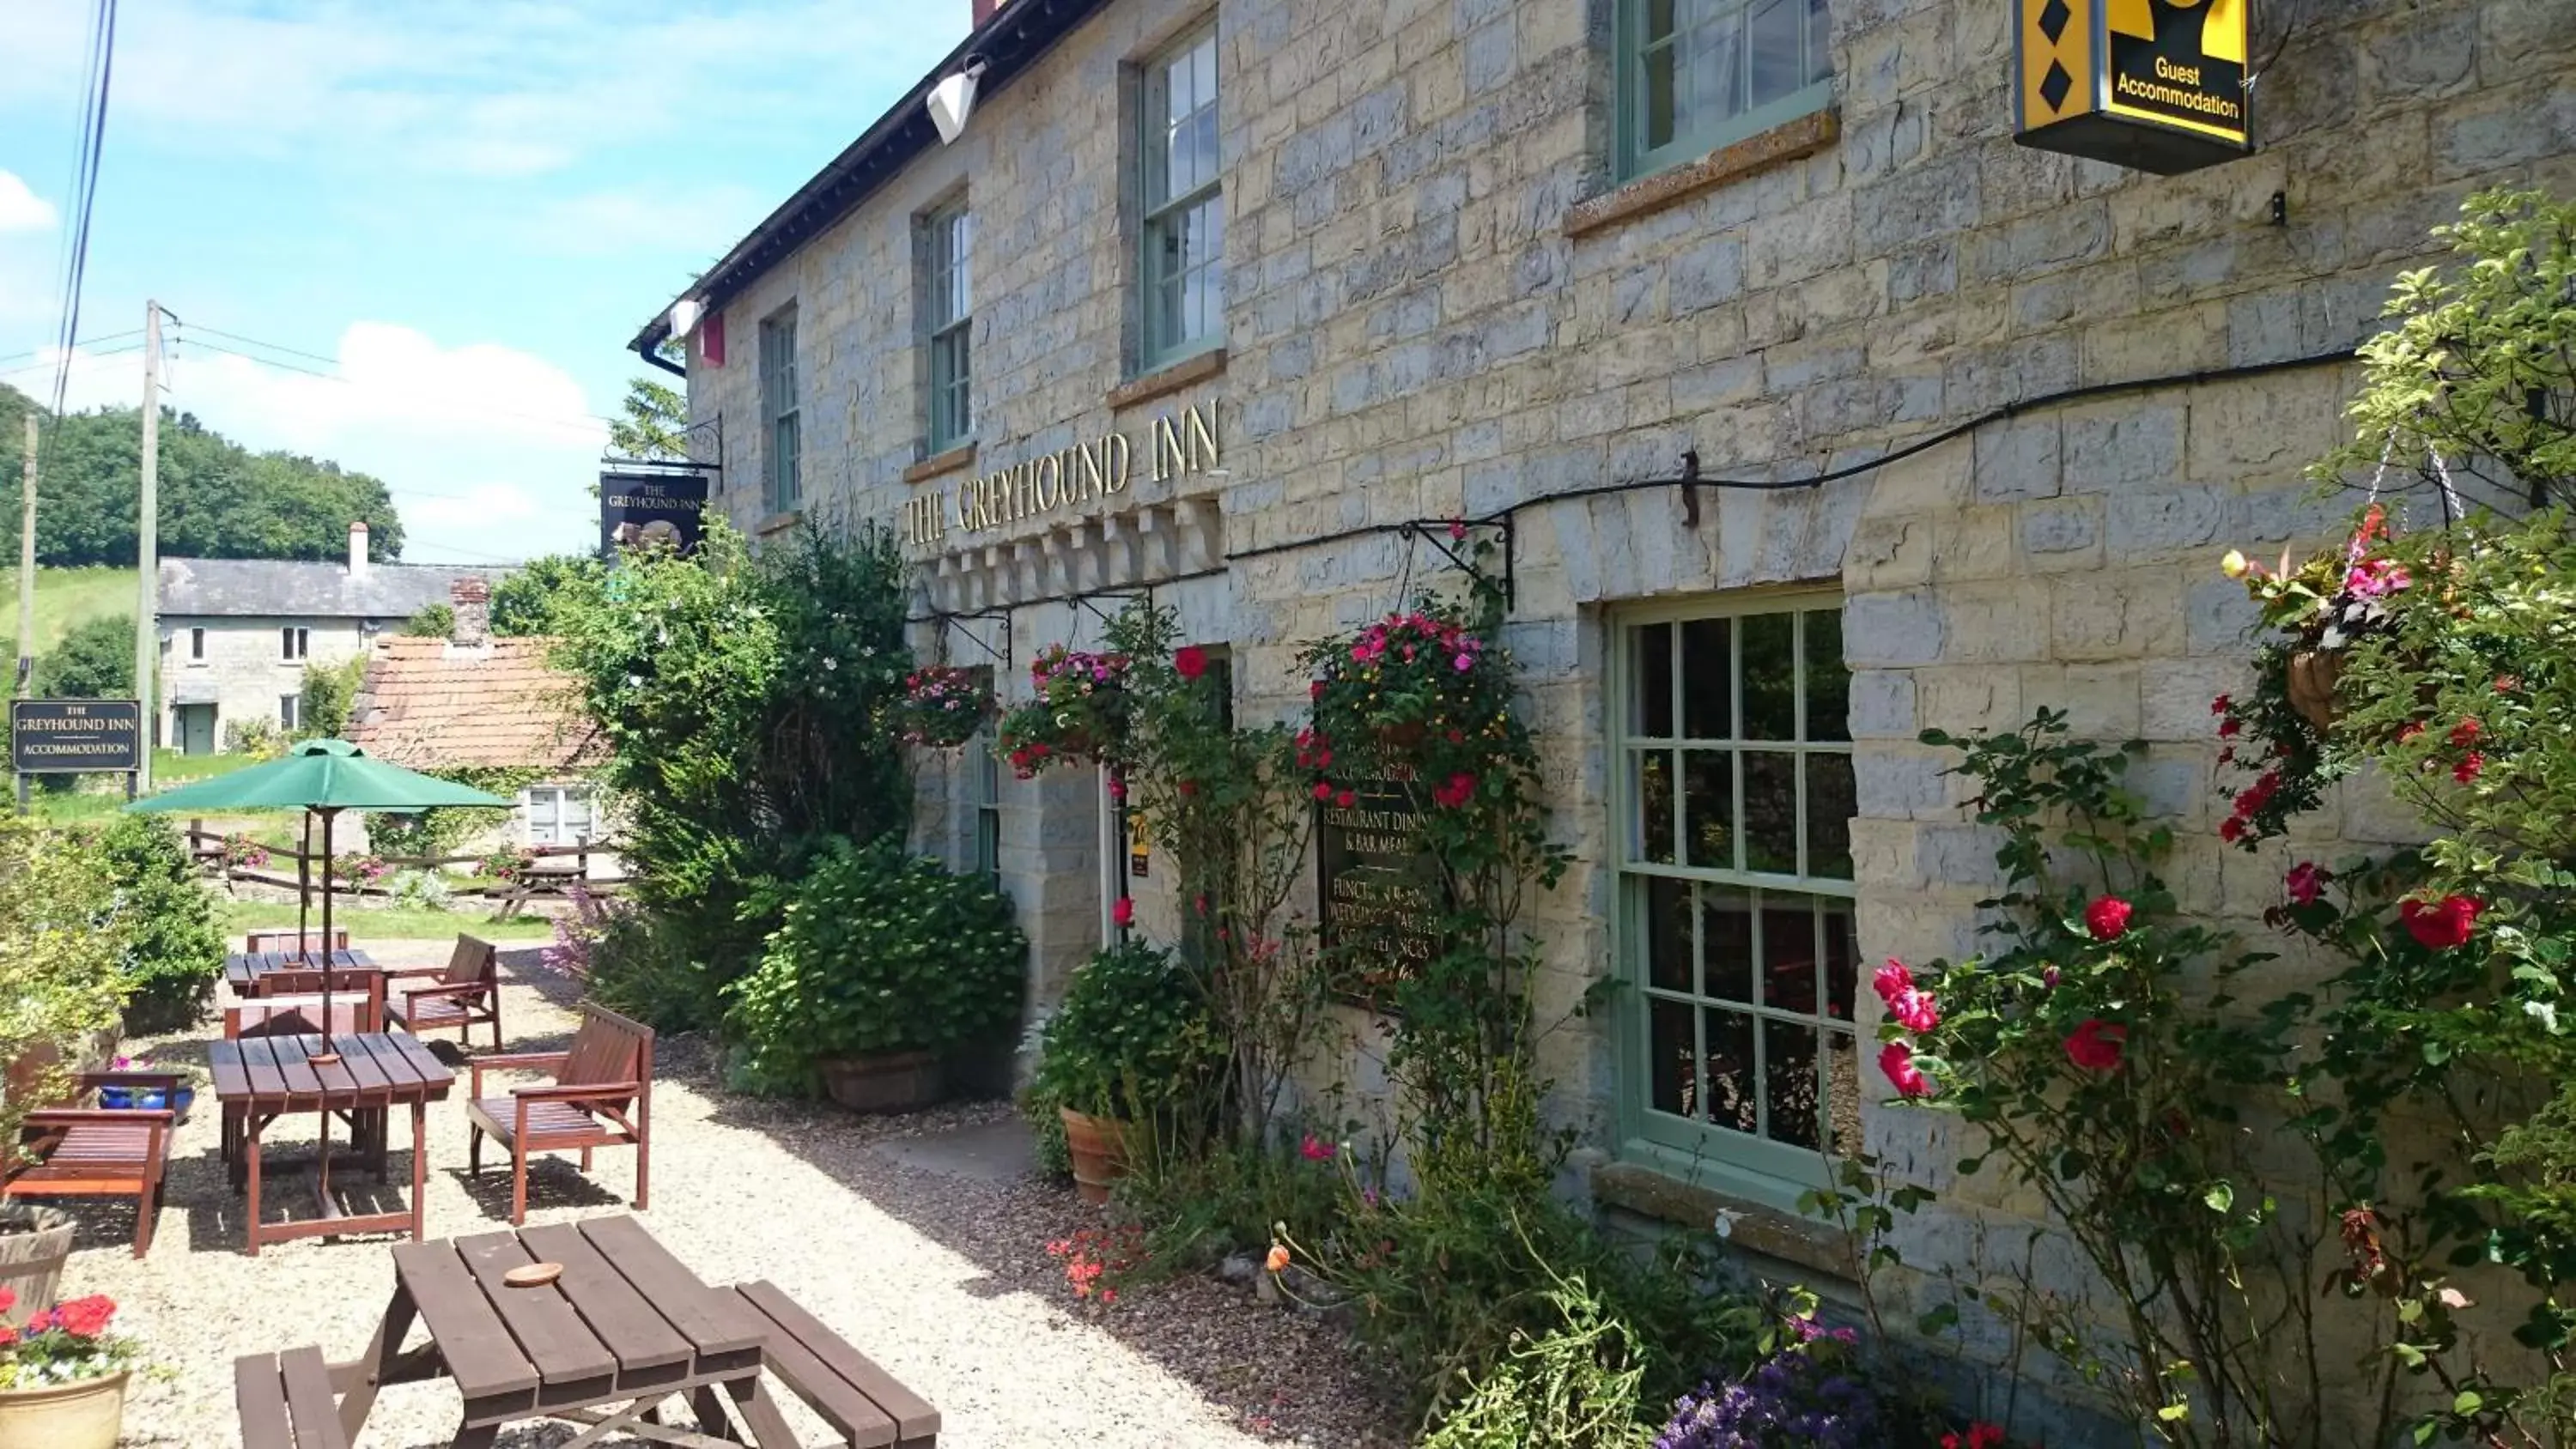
pixel 195 726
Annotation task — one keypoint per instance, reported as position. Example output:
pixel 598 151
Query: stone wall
pixel 1438 304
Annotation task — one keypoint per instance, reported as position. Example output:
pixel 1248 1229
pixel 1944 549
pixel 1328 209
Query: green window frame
pixel 1182 208
pixel 778 408
pixel 1732 797
pixel 1695 75
pixel 950 315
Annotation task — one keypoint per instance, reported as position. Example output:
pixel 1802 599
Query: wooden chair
pixel 77 1151
pixel 256 942
pixel 601 1096
pixel 466 993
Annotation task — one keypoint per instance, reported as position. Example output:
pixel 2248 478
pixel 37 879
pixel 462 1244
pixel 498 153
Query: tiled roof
pixel 256 587
pixel 428 703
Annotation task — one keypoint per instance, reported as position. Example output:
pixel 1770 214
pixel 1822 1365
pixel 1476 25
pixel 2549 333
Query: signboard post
pixel 653 504
pixel 2158 85
pixel 74 737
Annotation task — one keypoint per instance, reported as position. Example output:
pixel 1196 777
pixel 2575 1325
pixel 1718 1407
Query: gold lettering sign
pixel 1088 474
pixel 2158 85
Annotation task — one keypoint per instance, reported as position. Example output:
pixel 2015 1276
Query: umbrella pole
pixel 304 891
pixel 327 1057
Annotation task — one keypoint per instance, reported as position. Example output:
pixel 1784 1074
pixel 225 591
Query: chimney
pixel 358 548
pixel 985 10
pixel 471 597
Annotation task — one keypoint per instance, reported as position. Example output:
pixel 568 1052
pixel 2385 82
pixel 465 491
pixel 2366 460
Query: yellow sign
pixel 2158 85
pixel 1090 472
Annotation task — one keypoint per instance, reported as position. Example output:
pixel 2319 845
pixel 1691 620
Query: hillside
pixel 64 597
pixel 218 499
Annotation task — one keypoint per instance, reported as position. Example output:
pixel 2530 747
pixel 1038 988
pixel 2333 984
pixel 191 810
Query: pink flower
pixel 2107 918
pixel 2376 578
pixel 1908 1005
pixel 1189 661
pixel 1124 913
pixel 1315 1149
pixel 2305 881
pixel 1463 663
pixel 1896 1059
pixel 2096 1045
pixel 1457 531
pixel 2468 769
pixel 1890 979
pixel 2440 925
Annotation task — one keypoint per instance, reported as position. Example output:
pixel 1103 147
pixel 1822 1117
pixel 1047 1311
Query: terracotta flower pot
pixel 2311 682
pixel 895 1082
pixel 1098 1146
pixel 84 1415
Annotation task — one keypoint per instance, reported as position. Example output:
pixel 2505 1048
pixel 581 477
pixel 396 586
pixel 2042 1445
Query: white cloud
pixel 21 209
pixel 489 451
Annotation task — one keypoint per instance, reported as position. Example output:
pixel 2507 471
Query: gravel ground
pixel 945 1281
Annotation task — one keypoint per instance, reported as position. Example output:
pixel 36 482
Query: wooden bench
pixel 80 1151
pixel 285 1401
pixel 854 1396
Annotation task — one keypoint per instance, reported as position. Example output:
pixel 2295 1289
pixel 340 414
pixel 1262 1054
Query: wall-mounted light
pixel 954 98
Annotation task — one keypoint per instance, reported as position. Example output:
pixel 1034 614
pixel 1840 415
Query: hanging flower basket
pixel 942 706
pixel 1078 714
pixel 1414 692
pixel 2311 684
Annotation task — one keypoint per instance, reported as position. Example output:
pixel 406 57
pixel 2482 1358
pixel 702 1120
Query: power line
pixel 84 343
pixel 85 171
pixel 83 360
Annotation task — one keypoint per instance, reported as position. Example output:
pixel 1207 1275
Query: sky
pixel 461 212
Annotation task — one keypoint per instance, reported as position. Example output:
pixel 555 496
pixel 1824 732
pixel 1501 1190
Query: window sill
pixel 1169 379
pixel 778 522
pixel 1751 156
pixel 1816 1246
pixel 961 456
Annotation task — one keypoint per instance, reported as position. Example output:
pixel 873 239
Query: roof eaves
pixel 1015 38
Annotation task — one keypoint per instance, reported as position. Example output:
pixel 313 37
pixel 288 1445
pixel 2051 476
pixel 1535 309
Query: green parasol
pixel 319 777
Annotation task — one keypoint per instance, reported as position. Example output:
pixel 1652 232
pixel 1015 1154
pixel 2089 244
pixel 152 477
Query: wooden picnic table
pixel 624 1327
pixel 245 972
pixel 260 1079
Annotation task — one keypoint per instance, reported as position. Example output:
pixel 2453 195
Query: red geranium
pixel 1189 661
pixel 2440 925
pixel 2465 733
pixel 86 1317
pixel 2096 1046
pixel 2469 769
pixel 2107 918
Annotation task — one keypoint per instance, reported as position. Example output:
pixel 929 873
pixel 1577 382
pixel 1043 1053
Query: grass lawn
pixel 64 597
pixel 363 922
pixel 169 768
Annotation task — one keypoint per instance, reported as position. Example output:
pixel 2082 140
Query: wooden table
pixel 625 1327
pixel 260 1079
pixel 246 971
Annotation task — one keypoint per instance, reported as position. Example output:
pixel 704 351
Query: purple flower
pixel 1804 1397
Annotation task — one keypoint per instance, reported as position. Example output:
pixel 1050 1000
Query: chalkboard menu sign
pixel 1377 888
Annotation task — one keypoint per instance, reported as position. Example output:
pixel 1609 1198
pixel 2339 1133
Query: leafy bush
pixel 329 691
pixel 419 890
pixel 877 952
pixel 641 967
pixel 430 621
pixel 62 945
pixel 95 660
pixel 528 600
pixel 1574 1386
pixel 429 834
pixel 173 950
pixel 258 737
pixel 1132 1038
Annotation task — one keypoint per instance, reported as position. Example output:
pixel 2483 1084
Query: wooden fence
pixel 292 868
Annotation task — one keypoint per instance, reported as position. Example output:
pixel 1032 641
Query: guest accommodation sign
pixel 62 736
pixel 1375 887
pixel 652 508
pixel 1085 476
pixel 2158 85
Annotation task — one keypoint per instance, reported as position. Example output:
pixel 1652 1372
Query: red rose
pixel 1189 661
pixel 2096 1045
pixel 1323 791
pixel 1315 690
pixel 2440 925
pixel 1896 1059
pixel 1124 913
pixel 2107 918
pixel 2305 881
pixel 1346 799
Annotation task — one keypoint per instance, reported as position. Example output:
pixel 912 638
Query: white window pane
pixel 1203 74
pixel 1777 34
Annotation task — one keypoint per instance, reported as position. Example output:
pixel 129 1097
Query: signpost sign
pixel 1376 887
pixel 2159 85
pixel 75 736
pixel 665 507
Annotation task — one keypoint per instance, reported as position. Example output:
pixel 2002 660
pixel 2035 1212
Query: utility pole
pixel 147 551
pixel 27 563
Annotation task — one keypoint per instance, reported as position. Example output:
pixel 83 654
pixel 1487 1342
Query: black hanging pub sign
pixel 653 505
pixel 2157 85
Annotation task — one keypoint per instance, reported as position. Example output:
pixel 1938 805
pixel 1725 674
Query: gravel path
pixel 943 1280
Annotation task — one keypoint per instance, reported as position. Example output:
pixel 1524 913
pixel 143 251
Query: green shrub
pixel 61 942
pixel 431 621
pixel 641 967
pixel 1132 1038
pixel 173 950
pixel 877 952
pixel 1574 1386
pixel 329 691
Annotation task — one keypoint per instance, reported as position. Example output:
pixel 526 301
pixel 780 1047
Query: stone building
pixel 1214 296
pixel 237 634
